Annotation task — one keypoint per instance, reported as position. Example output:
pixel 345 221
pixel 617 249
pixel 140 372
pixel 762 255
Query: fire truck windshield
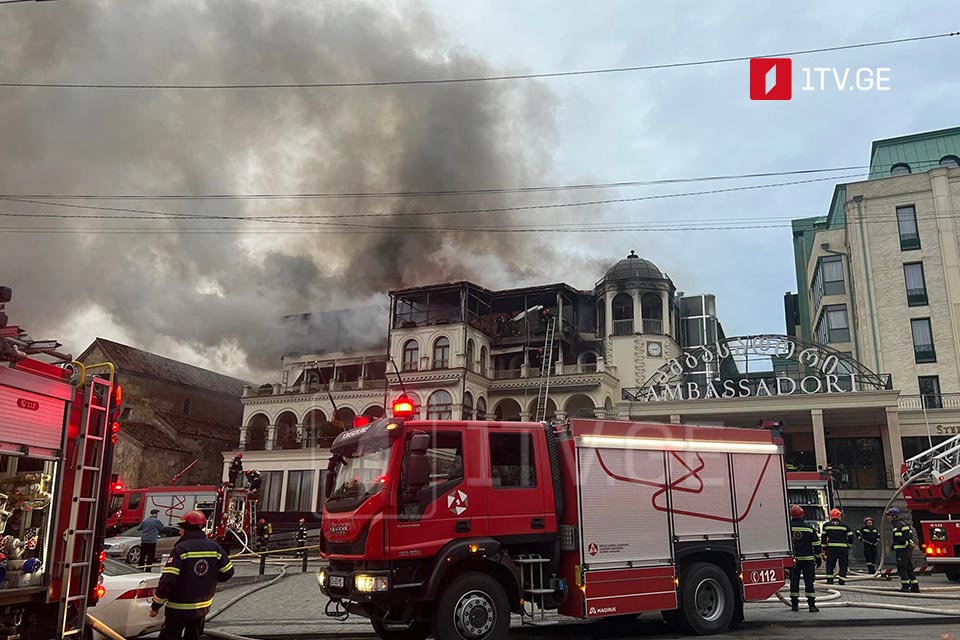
pixel 362 472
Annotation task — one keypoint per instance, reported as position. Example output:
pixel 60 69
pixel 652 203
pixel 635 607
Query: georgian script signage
pixel 818 369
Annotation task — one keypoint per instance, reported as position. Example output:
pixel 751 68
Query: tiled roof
pixel 200 428
pixel 149 436
pixel 127 358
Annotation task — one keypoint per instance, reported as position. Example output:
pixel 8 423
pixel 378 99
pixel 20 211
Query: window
pixel 441 353
pixel 907 225
pixel 950 162
pixel 828 280
pixel 900 169
pixel 136 499
pixel 483 360
pixel 481 409
pixel 923 348
pixel 471 352
pixel 321 498
pixel 916 284
pixel 411 355
pixel 299 491
pixel 270 486
pixel 467 406
pixel 622 315
pixel 930 391
pixel 445 456
pixel 512 462
pixel 651 310
pixel 440 406
pixel 833 325
pixel 186 406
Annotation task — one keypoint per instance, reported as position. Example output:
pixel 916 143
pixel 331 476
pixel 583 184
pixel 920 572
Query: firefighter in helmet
pixel 189 579
pixel 302 537
pixel 837 540
pixel 235 472
pixel 264 529
pixel 903 544
pixel 806 552
pixel 869 535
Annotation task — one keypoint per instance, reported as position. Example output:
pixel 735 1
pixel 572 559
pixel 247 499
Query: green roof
pixel 922 151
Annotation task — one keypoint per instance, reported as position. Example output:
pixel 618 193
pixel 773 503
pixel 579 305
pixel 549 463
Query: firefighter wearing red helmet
pixel 806 552
pixel 264 529
pixel 837 541
pixel 189 579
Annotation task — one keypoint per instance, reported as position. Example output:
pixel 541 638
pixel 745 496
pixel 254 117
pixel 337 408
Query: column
pixel 674 418
pixel 608 303
pixel 525 416
pixel 271 435
pixel 299 432
pixel 819 438
pixel 665 298
pixel 243 437
pixel 637 313
pixel 599 413
pixel 892 446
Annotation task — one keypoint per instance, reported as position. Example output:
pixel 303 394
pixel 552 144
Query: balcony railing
pixel 623 327
pixel 653 326
pixel 506 374
pixel 916 297
pixel 861 477
pixel 909 241
pixel 930 400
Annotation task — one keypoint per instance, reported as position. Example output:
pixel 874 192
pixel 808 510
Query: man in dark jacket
pixel 837 540
pixel 869 535
pixel 806 553
pixel 149 534
pixel 189 580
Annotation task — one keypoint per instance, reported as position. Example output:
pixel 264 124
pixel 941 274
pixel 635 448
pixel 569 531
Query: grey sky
pixel 214 300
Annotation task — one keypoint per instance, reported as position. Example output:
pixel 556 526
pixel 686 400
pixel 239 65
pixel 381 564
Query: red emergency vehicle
pixel 935 488
pixel 56 443
pixel 129 507
pixel 448 527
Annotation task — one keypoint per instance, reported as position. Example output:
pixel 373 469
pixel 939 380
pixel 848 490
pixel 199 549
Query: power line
pixel 475 79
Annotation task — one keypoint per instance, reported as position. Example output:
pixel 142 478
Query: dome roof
pixel 633 267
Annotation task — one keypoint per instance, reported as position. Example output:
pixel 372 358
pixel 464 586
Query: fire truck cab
pixel 447 527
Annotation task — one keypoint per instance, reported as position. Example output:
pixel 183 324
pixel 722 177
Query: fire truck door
pixel 515 491
pixel 444 509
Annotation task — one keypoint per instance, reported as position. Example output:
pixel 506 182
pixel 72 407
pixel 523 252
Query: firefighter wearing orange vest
pixel 837 540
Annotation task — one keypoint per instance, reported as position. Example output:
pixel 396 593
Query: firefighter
pixel 189 580
pixel 837 539
pixel 903 548
pixel 236 469
pixel 264 529
pixel 254 479
pixel 869 535
pixel 806 552
pixel 302 537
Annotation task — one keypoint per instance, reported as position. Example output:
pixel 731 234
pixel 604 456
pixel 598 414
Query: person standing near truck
pixel 837 540
pixel 903 548
pixel 806 553
pixel 869 535
pixel 149 534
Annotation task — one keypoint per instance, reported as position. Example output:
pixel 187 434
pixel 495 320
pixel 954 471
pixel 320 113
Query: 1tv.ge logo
pixel 772 79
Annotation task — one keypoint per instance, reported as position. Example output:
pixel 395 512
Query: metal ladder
pixel 534 588
pixel 936 464
pixel 81 531
pixel 543 393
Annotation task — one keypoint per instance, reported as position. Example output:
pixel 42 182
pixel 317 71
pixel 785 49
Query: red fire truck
pixel 935 488
pixel 448 527
pixel 56 443
pixel 128 507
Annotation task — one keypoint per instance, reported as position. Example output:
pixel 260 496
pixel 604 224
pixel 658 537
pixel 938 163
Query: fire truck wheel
pixel 953 575
pixel 473 607
pixel 133 556
pixel 706 599
pixel 416 631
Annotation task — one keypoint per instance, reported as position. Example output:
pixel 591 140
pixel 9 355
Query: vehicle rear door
pixel 515 492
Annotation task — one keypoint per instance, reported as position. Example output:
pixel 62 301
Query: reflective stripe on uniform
pixel 799 558
pixel 189 606
pixel 199 554
pixel 159 600
pixel 174 570
pixel 227 567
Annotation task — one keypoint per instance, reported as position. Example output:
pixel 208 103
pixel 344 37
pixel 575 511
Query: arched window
pixel 441 353
pixel 411 355
pixel 467 406
pixel 588 362
pixel 481 409
pixel 471 365
pixel 483 360
pixel 651 309
pixel 601 320
pixel 950 162
pixel 440 406
pixel 623 315
pixel 900 169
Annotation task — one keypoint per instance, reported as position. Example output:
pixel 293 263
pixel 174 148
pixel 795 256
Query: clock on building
pixel 654 349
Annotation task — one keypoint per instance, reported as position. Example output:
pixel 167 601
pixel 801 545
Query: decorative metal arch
pixel 815 359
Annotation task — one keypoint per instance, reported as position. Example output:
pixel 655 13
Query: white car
pixel 126 545
pixel 125 603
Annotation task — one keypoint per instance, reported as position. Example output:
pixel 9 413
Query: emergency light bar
pixel 660 444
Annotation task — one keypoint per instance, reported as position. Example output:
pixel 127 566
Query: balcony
pixel 571 375
pixel 653 326
pixel 623 327
pixel 929 401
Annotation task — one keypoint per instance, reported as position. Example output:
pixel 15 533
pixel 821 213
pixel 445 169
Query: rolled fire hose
pixel 99 627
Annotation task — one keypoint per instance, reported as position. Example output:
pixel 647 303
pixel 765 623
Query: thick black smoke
pixel 218 291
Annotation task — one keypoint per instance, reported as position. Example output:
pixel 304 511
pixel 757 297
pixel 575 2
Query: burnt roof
pixel 150 436
pixel 540 288
pixel 198 428
pixel 127 358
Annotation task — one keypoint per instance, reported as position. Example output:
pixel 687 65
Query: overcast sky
pixel 214 299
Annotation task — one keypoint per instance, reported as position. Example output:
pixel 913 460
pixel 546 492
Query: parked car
pixel 126 545
pixel 125 603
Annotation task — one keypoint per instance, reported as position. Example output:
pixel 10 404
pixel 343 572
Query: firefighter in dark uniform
pixel 235 472
pixel 264 529
pixel 837 540
pixel 869 535
pixel 903 548
pixel 806 553
pixel 189 580
pixel 302 537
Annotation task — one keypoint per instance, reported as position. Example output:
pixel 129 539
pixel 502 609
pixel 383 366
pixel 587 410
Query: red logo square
pixel 771 78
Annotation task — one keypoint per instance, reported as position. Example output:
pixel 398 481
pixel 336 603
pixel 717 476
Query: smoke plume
pixel 219 293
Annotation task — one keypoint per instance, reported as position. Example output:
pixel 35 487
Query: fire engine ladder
pixel 936 464
pixel 543 393
pixel 535 588
pixel 81 531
